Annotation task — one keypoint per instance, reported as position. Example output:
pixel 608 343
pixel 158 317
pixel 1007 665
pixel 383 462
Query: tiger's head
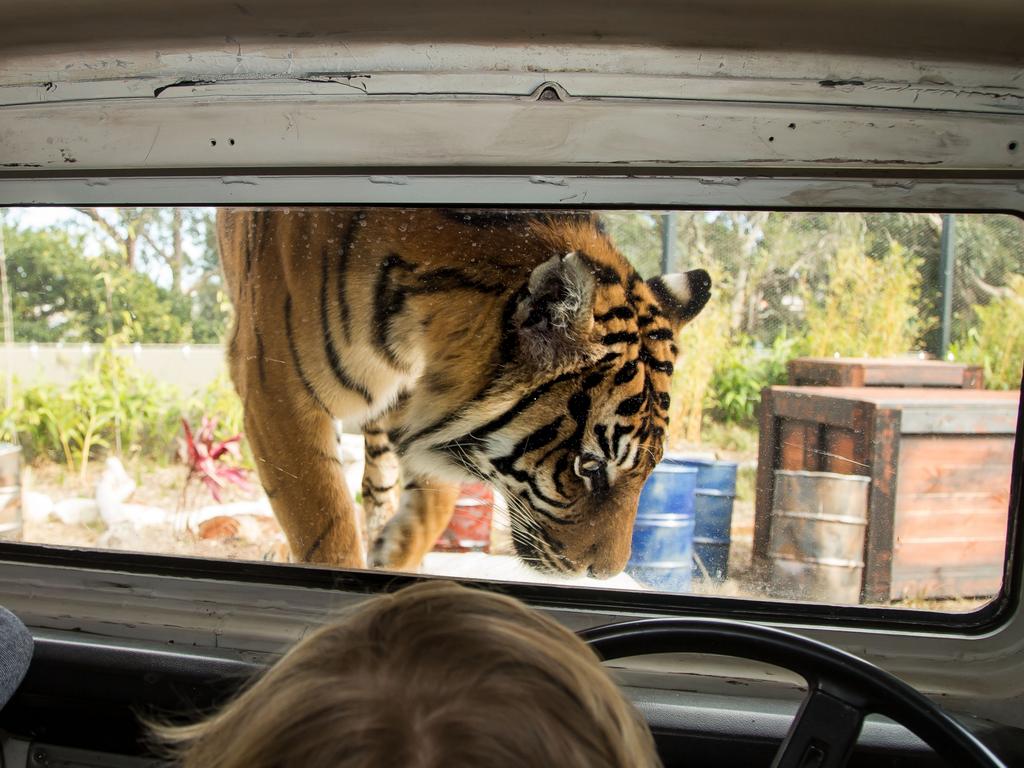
pixel 592 348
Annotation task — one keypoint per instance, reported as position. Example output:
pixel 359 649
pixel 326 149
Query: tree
pixel 211 308
pixel 123 227
pixel 153 240
pixel 58 294
pixel 54 289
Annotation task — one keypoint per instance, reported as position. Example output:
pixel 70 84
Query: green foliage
pixel 28 421
pixel 638 236
pixel 158 315
pixel 996 341
pixel 700 343
pixel 110 405
pixel 63 290
pixel 58 294
pixel 742 371
pixel 868 308
pixel 54 291
pixel 746 482
pixel 211 312
pixel 988 249
pixel 144 413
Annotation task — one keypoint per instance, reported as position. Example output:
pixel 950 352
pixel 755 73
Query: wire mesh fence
pixel 832 284
pixel 769 263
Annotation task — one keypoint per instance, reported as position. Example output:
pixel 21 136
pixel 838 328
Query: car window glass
pixel 811 406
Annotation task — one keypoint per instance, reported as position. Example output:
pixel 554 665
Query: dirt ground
pixel 161 486
pixel 253 537
pixel 158 485
pixel 223 536
pixel 197 526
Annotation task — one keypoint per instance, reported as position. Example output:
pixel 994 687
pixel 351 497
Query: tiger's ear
pixel 681 296
pixel 555 317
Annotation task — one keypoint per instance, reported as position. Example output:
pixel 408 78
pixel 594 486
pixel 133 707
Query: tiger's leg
pixel 294 444
pixel 380 479
pixel 425 510
pixel 289 426
pixel 297 459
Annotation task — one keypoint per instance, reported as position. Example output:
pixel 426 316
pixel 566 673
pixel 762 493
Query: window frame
pixel 878 133
pixel 249 608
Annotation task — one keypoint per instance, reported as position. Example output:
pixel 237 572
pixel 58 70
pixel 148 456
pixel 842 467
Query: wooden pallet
pixel 882 372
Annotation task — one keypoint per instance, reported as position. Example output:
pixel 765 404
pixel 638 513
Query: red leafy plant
pixel 213 461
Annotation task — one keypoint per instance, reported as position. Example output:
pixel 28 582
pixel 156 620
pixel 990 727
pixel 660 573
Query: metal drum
pixel 469 530
pixel 817 536
pixel 662 554
pixel 712 533
pixel 10 491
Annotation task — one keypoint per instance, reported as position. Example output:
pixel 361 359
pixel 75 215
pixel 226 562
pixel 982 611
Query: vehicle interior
pixel 766 132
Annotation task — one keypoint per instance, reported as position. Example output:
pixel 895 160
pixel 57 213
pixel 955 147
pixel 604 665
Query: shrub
pixel 996 341
pixel 144 413
pixel 210 460
pixel 33 419
pixel 700 344
pixel 110 405
pixel 219 401
pixel 870 306
pixel 742 372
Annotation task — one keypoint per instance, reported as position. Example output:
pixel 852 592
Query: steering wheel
pixel 841 688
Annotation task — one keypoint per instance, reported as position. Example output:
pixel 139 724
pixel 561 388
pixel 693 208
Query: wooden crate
pixel 882 372
pixel 939 462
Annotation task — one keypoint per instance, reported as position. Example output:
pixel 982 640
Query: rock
pixel 76 511
pixel 36 507
pixel 111 491
pixel 219 527
pixel 141 516
pixel 259 507
pixel 254 528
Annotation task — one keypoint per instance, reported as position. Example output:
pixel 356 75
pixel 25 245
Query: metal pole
pixel 668 242
pixel 947 262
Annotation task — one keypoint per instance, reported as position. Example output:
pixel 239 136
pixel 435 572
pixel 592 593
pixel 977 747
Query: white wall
pixel 189 367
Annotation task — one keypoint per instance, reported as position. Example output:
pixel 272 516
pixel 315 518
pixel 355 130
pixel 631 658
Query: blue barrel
pixel 662 554
pixel 716 491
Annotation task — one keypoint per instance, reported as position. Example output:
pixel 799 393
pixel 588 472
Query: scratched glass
pixel 755 404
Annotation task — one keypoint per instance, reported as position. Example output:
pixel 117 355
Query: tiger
pixel 518 348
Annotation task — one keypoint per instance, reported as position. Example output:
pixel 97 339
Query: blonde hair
pixel 433 675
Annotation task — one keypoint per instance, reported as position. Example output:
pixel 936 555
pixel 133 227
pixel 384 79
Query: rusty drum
pixel 817 536
pixel 469 530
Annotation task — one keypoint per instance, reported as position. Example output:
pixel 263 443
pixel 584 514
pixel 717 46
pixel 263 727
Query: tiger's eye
pixel 589 465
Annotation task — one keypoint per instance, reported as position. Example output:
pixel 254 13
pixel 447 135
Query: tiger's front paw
pixel 391 549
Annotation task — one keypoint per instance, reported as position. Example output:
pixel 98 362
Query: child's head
pixel 433 675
